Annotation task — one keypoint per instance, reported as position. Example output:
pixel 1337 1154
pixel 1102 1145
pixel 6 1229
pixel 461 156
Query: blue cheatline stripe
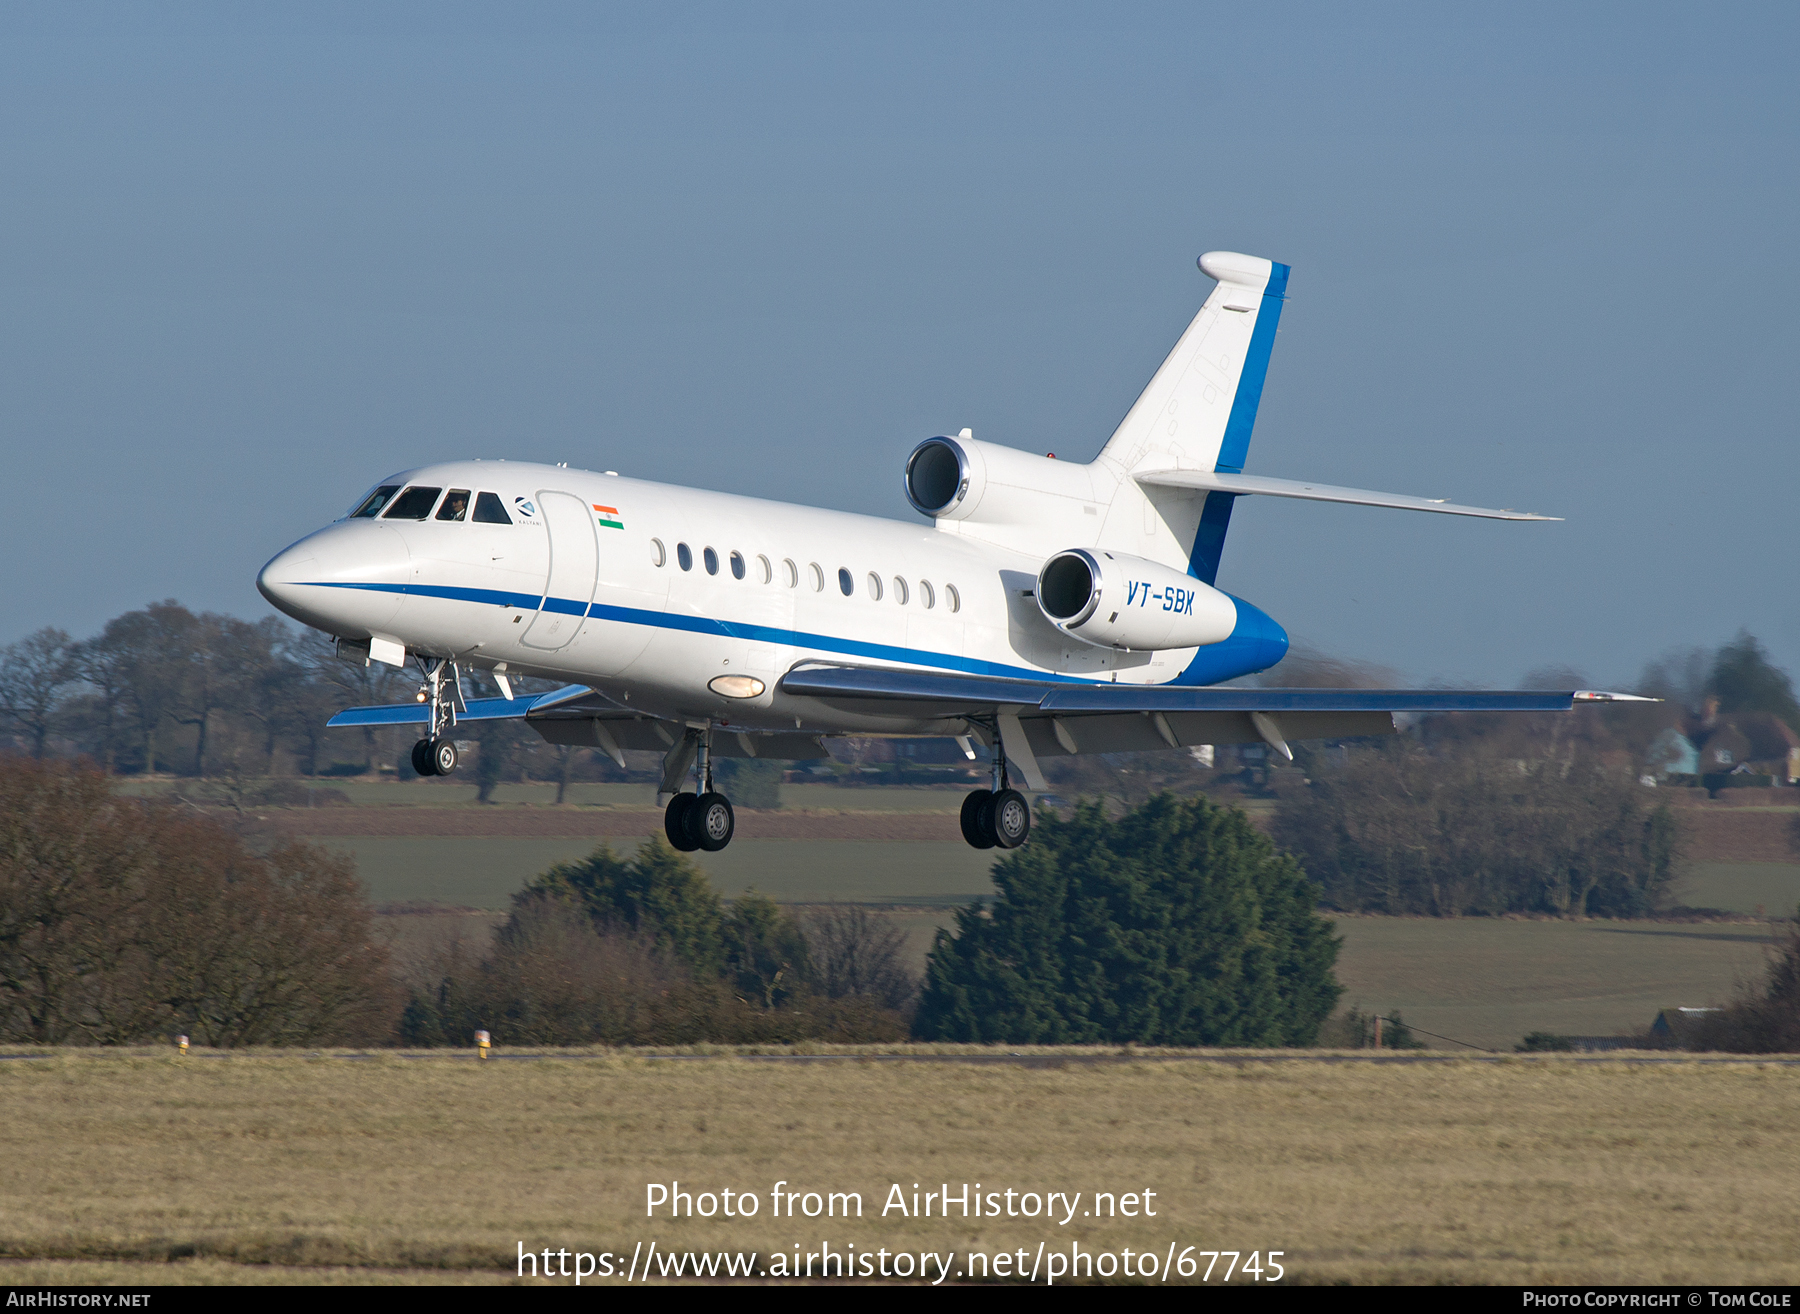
pixel 1220 655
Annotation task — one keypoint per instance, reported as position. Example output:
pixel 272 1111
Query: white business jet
pixel 1050 607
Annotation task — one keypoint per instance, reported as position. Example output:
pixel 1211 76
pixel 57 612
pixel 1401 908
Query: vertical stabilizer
pixel 1198 411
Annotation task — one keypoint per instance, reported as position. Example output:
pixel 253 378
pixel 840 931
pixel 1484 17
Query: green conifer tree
pixel 658 892
pixel 1178 924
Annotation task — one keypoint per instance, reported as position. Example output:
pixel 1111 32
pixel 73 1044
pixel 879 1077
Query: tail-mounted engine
pixel 1117 601
pixel 961 480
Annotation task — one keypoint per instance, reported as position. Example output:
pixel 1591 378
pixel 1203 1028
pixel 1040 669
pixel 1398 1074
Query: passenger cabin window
pixel 737 565
pixel 875 586
pixel 684 556
pixel 455 506
pixel 414 504
pixel 712 561
pixel 793 572
pixel 900 590
pixel 373 503
pixel 768 571
pixel 926 596
pixel 818 574
pixel 846 583
pixel 490 511
pixel 658 557
pixel 952 599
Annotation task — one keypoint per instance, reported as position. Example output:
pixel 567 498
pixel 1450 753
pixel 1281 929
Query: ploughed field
pixel 143 1167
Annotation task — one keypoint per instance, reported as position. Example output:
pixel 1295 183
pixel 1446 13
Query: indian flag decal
pixel 609 517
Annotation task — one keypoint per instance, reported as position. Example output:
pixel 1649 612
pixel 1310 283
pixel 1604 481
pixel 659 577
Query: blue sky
pixel 1544 257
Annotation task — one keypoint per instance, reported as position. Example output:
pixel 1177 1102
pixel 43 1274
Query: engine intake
pixel 937 476
pixel 1113 600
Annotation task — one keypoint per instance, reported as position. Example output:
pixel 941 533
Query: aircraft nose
pixel 286 570
pixel 349 579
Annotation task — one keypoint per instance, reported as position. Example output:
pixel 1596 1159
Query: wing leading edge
pixel 1062 718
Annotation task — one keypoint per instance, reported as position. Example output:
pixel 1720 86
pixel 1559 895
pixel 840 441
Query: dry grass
pixel 391 1168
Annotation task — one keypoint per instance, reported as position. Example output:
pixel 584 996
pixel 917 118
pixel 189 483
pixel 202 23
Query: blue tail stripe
pixel 1209 540
pixel 1236 444
pixel 1215 516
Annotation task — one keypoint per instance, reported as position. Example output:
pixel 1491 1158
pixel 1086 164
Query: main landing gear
pixel 702 820
pixel 997 818
pixel 435 755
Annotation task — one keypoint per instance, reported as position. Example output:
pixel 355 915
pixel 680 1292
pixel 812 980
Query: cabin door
pixel 574 569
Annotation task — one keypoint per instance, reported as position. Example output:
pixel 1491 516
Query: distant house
pixel 1673 754
pixel 1679 1026
pixel 1743 743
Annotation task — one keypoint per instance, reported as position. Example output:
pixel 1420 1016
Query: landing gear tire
pixel 710 822
pixel 978 836
pixel 421 759
pixel 675 823
pixel 1007 817
pixel 443 756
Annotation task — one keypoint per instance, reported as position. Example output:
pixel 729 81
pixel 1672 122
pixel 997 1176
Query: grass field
pixel 1771 888
pixel 484 872
pixel 1543 1170
pixel 1489 981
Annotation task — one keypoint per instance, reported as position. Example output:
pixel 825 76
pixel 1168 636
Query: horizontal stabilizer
pixel 1209 481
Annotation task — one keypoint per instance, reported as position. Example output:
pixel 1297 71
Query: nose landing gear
pixel 435 755
pixel 998 817
pixel 702 820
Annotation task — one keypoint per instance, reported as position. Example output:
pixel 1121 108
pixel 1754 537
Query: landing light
pixel 736 686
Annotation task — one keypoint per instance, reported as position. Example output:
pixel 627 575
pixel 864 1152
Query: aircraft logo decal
pixel 609 517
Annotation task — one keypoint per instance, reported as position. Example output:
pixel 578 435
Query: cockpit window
pixel 414 504
pixel 455 506
pixel 373 503
pixel 489 511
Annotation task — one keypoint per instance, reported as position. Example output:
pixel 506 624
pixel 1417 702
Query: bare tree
pixel 121 919
pixel 34 672
pixel 852 952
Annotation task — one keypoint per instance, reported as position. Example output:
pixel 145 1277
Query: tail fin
pixel 1198 411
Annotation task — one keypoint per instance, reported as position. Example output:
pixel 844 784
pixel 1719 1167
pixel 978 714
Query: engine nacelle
pixel 1117 601
pixel 952 479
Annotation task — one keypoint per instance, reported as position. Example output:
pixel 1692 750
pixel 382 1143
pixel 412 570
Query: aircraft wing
pixel 1058 717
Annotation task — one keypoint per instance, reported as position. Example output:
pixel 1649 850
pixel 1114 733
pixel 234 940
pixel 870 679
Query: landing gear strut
pixel 998 817
pixel 702 820
pixel 435 754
